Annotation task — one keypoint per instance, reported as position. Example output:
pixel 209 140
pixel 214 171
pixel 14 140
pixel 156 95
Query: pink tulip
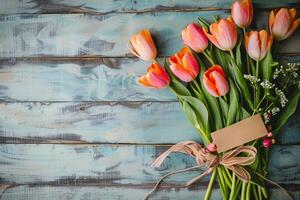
pixel 194 37
pixel 142 46
pixel 156 77
pixel 257 44
pixel 283 23
pixel 184 65
pixel 242 13
pixel 223 34
pixel 214 80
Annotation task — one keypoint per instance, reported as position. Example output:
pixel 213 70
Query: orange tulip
pixel 283 23
pixel 184 65
pixel 223 34
pixel 257 44
pixel 156 77
pixel 214 80
pixel 194 37
pixel 143 46
pixel 242 13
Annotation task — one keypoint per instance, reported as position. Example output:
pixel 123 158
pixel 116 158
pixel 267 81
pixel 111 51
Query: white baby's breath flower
pixel 267 84
pixel 282 98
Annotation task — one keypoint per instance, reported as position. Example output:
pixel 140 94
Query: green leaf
pixel 234 105
pixel 203 23
pixel 266 65
pixel 289 110
pixel 223 59
pixel 199 109
pixel 190 114
pixel 238 56
pixel 241 82
pixel 224 108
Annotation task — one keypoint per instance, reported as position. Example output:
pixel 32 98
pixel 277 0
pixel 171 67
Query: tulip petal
pixel 181 73
pixel 253 47
pixel 211 89
pixel 293 13
pixel 293 28
pixel 220 83
pixel 190 64
pixel 282 23
pixel 271 20
pixel 143 81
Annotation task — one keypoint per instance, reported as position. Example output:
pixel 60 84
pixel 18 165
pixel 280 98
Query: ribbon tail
pixel 166 175
pixel 208 171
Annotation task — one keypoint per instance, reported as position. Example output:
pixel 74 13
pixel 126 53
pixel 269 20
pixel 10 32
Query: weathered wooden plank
pixel 89 79
pixel 108 6
pixel 127 122
pixel 102 35
pixel 117 193
pixel 115 165
pixel 105 122
pixel 109 79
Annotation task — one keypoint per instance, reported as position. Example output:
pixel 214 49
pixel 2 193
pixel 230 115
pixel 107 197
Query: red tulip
pixel 283 23
pixel 194 37
pixel 156 77
pixel 214 80
pixel 257 44
pixel 223 34
pixel 143 46
pixel 184 65
pixel 242 13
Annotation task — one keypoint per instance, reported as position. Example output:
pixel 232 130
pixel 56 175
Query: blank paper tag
pixel 239 133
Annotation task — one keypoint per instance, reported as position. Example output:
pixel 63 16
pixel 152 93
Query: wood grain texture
pixel 88 79
pixel 108 6
pixel 106 122
pixel 115 165
pixel 117 193
pixel 102 35
pixel 108 79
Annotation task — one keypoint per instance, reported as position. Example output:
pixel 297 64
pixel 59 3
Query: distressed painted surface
pixel 101 35
pixel 128 122
pixel 117 193
pixel 105 122
pixel 89 79
pixel 108 79
pixel 107 6
pixel 108 165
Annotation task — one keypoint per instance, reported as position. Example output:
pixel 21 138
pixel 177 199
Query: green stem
pixel 208 58
pixel 210 185
pixel 264 191
pixel 238 187
pixel 243 190
pixel 255 192
pixel 231 54
pixel 248 194
pixel 259 104
pixel 256 88
pixel 233 185
pixel 227 180
pixel 222 184
pixel 259 193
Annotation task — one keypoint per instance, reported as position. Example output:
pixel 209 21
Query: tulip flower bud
pixel 283 23
pixel 156 77
pixel 267 143
pixel 142 46
pixel 257 44
pixel 184 65
pixel 194 37
pixel 214 80
pixel 242 13
pixel 211 147
pixel 223 34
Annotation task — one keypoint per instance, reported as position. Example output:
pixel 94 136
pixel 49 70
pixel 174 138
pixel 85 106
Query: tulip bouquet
pixel 226 73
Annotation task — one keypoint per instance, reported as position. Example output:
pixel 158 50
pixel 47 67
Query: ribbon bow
pixel 230 160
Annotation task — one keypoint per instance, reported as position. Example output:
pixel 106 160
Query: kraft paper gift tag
pixel 239 133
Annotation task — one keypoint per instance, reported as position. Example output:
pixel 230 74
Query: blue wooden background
pixel 74 125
